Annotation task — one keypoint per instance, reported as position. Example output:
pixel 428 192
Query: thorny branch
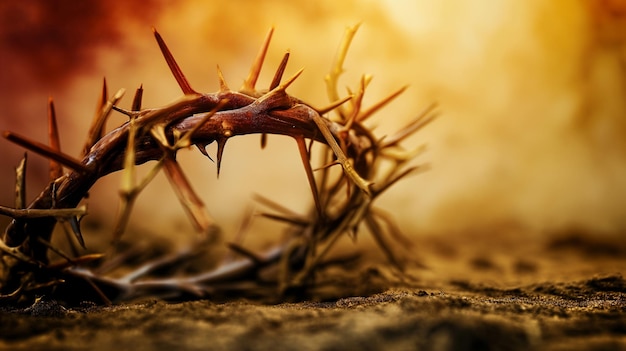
pixel 343 201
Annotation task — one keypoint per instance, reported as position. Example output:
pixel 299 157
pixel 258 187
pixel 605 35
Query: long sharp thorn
pixel 370 111
pixel 96 131
pixel 250 82
pixel 171 63
pixel 202 149
pixel 104 97
pixel 102 101
pixel 290 80
pixel 334 105
pixel 93 133
pixel 222 81
pixel 56 170
pixel 137 99
pixel 221 144
pixel 74 223
pixel 278 76
pixel 304 154
pixel 46 151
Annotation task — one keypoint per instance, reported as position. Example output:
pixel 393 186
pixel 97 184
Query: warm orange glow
pixel 533 98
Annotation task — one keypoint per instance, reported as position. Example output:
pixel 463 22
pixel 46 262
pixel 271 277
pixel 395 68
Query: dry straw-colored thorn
pixel 334 105
pixel 20 183
pixel 250 82
pixel 289 81
pixel 220 76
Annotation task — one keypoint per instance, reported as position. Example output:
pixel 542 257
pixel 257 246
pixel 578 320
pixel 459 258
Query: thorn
pixel 56 170
pixel 221 143
pixel 422 119
pixel 263 141
pixel 290 80
pixel 222 81
pixel 367 113
pixel 104 97
pixel 202 149
pixel 255 70
pixel 334 105
pixel 46 151
pixel 96 130
pixel 278 76
pixel 304 155
pixel 171 63
pixel 136 106
pixel 75 224
pixel 20 183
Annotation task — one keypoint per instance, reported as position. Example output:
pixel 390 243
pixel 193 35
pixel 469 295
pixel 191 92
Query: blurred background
pixel 532 95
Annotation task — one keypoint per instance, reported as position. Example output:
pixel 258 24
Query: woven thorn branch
pixel 343 201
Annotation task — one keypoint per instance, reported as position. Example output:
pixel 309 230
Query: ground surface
pixel 478 292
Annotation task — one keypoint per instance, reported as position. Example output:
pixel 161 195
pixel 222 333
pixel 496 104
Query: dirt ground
pixel 471 292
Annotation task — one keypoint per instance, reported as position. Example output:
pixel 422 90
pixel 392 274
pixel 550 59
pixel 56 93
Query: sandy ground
pixel 475 293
